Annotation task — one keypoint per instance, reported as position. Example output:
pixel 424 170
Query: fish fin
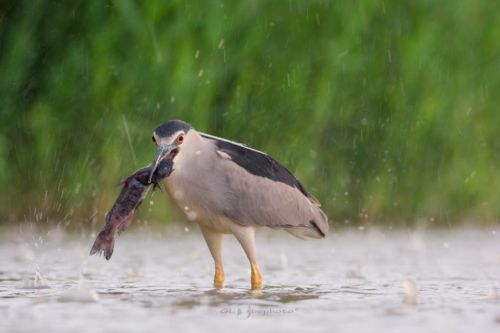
pixel 104 242
pixel 124 225
pixel 156 185
pixel 123 181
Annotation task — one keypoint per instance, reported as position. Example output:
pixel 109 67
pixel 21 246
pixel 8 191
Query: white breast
pixel 197 186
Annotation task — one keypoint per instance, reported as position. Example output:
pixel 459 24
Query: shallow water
pixel 161 279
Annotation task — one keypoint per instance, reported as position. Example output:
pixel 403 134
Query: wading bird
pixel 229 188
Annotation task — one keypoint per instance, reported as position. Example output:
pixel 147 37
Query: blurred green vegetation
pixel 387 111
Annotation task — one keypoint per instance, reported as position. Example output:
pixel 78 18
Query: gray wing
pixel 263 191
pixel 262 201
pixel 257 163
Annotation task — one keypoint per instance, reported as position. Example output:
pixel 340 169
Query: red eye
pixel 180 138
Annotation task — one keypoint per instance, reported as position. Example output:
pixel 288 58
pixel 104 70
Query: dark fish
pixel 130 198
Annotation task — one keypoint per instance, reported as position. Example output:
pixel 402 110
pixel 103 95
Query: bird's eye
pixel 154 140
pixel 180 138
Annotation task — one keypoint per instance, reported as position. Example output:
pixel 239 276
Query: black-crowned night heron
pixel 229 188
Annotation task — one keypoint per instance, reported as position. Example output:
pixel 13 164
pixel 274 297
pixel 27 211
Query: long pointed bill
pixel 162 151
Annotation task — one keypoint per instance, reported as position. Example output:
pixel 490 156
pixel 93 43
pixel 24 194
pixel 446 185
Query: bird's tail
pixel 105 241
pixel 320 222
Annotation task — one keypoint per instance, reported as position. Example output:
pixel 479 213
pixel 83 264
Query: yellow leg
pixel 214 242
pixel 256 277
pixel 245 236
pixel 219 277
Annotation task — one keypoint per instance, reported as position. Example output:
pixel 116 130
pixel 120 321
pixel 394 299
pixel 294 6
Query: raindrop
pixel 192 215
pixel 493 294
pixel 411 292
pixel 83 294
pixel 132 272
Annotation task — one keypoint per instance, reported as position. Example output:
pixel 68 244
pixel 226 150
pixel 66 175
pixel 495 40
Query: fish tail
pixel 105 241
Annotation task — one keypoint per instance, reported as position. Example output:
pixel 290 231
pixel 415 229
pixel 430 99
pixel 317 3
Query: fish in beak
pixel 163 153
pixel 134 191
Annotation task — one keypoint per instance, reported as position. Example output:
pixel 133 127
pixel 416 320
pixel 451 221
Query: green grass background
pixel 387 111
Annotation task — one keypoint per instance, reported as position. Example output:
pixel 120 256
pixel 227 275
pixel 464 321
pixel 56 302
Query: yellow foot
pixel 256 287
pixel 256 277
pixel 219 277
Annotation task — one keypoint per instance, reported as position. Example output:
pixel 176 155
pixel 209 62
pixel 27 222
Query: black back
pixel 170 127
pixel 258 163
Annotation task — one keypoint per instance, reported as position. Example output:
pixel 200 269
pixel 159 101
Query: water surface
pixel 161 279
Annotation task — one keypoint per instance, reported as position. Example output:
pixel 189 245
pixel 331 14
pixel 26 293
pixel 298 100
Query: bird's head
pixel 170 137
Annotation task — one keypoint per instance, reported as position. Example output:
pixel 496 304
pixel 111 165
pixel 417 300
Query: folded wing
pixel 264 192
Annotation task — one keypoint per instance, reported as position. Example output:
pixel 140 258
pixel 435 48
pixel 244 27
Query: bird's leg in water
pixel 245 236
pixel 219 277
pixel 214 242
pixel 256 277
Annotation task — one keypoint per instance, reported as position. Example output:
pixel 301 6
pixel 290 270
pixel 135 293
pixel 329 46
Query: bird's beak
pixel 162 152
